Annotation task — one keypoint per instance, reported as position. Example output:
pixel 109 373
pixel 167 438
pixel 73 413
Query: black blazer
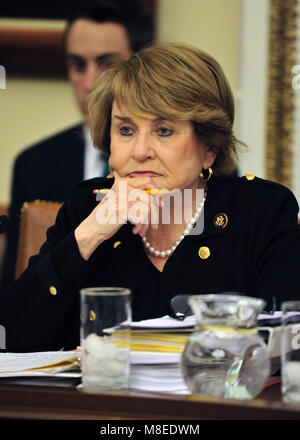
pixel 45 171
pixel 254 251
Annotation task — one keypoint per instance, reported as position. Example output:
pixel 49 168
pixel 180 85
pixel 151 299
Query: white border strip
pixel 252 85
pixel 296 131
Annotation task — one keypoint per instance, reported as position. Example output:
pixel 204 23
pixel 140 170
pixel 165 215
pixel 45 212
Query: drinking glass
pixel 105 338
pixel 290 351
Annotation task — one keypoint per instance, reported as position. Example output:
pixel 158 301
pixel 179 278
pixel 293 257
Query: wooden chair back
pixel 3 211
pixel 36 218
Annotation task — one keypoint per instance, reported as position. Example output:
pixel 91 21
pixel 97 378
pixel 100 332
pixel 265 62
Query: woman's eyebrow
pixel 128 119
pixel 123 118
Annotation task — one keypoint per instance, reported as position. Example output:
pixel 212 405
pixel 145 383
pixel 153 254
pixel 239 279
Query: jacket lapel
pixel 217 210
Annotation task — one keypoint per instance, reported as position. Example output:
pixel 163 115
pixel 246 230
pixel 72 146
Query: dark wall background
pixel 50 9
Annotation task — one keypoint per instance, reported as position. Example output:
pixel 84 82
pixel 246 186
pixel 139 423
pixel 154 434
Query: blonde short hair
pixel 171 81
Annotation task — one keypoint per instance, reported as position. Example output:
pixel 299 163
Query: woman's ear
pixel 209 158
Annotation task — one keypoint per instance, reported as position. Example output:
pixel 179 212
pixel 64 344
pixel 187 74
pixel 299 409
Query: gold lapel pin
pixel 220 220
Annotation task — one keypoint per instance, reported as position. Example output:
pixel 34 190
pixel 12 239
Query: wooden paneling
pixel 38 52
pixel 32 52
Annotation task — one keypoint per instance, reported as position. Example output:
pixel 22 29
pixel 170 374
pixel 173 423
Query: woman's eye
pixel 163 131
pixel 126 131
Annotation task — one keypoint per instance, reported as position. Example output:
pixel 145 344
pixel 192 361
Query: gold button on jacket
pixel 250 176
pixel 53 290
pixel 204 252
pixel 92 315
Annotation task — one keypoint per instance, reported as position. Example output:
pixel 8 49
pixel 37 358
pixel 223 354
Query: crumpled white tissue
pixel 104 361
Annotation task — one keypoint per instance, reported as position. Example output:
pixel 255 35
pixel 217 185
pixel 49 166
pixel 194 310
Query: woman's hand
pixel 126 201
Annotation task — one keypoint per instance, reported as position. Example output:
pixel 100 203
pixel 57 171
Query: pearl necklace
pixel 187 230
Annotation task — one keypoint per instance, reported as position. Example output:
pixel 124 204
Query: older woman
pixel 165 118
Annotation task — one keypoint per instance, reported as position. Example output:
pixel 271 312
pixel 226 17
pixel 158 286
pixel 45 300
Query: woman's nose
pixel 143 148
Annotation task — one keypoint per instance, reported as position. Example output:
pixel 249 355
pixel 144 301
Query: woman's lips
pixel 144 173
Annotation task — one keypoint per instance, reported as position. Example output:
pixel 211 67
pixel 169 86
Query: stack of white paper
pixel 165 323
pixel 157 372
pixel 46 363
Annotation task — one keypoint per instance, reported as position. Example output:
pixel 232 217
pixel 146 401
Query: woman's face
pixel 167 151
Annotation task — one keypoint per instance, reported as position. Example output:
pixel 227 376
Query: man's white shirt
pixel 94 163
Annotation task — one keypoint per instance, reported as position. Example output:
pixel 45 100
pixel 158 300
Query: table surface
pixel 45 402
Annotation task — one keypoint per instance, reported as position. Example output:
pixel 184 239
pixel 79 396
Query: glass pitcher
pixel 225 355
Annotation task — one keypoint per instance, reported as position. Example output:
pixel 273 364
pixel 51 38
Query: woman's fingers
pixel 127 200
pixel 149 216
pixel 138 201
pixel 154 218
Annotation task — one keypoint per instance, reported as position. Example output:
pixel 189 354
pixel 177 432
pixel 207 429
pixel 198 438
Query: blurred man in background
pixel 98 33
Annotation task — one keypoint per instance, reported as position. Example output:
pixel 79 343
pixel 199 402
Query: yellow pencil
pixel 148 191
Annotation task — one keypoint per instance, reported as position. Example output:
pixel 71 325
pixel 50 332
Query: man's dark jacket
pixel 45 171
